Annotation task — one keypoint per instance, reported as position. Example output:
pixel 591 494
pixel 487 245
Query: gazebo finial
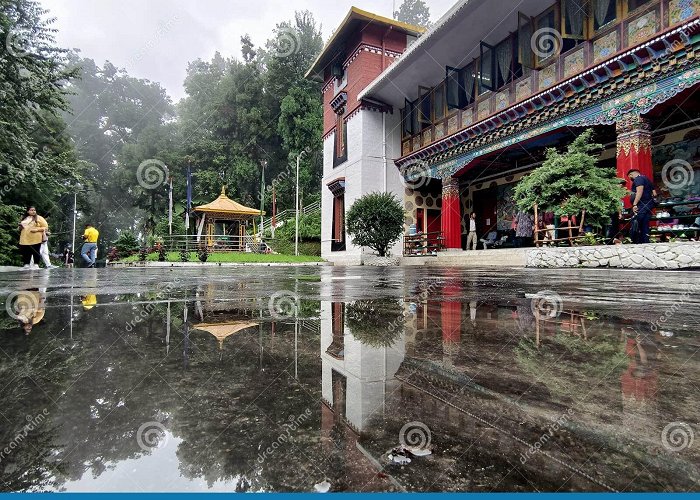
pixel 223 190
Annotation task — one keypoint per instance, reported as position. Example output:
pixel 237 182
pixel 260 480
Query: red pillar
pixel 634 147
pixel 451 214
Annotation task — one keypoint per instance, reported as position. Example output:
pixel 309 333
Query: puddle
pixel 315 380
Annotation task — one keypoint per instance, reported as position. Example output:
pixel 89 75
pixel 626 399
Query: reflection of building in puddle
pixel 356 376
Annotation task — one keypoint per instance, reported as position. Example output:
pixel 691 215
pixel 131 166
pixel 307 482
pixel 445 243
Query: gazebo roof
pixel 224 205
pixel 224 330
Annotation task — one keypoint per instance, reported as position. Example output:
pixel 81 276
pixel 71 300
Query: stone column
pixel 451 219
pixel 634 147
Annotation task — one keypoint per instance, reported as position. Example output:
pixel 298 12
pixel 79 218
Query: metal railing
pixel 218 243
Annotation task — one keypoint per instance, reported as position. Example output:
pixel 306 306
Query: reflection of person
pixel 89 251
pixel 31 309
pixel 32 229
pixel 642 199
pixel 89 301
pixel 471 238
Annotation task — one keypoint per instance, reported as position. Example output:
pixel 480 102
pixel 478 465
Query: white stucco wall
pixel 364 172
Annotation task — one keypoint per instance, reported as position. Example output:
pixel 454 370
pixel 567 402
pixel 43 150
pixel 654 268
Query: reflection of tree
pixel 377 323
pixel 572 361
pixel 110 381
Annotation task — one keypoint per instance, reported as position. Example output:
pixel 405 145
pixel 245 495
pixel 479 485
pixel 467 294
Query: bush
pixel 376 221
pixel 127 244
pixel 162 228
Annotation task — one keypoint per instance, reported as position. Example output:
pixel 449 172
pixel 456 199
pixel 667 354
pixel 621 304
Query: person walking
pixel 32 230
pixel 471 238
pixel 89 250
pixel 44 251
pixel 642 199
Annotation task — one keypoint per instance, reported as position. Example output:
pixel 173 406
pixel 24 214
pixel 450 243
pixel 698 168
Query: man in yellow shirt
pixel 89 251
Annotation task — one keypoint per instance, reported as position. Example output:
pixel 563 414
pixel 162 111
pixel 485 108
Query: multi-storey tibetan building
pixel 449 120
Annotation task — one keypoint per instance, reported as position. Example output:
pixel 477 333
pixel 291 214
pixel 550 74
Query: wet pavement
pixel 349 379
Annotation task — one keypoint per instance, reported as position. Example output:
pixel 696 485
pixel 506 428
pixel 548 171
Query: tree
pixel 38 164
pixel 376 221
pixel 414 12
pixel 568 183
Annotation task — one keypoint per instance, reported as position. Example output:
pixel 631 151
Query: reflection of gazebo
pixel 224 222
pixel 224 330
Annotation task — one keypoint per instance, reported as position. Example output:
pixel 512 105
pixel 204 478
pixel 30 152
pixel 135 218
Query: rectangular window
pixel 486 69
pixel 507 69
pixel 341 139
pixel 439 102
pixel 425 114
pixel 604 12
pixel 636 4
pixel 407 115
pixel 338 233
pixel 469 79
pixel 574 17
pixel 525 55
pixel 546 42
pixel 455 95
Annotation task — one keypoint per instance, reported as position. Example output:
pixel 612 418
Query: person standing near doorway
pixel 471 238
pixel 89 251
pixel 32 227
pixel 642 199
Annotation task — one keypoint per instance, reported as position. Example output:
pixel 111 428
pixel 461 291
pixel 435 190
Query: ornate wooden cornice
pixel 632 83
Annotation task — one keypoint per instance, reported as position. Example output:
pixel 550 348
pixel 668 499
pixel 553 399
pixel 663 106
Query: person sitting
pixel 490 239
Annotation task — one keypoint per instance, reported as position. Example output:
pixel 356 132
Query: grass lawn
pixel 235 258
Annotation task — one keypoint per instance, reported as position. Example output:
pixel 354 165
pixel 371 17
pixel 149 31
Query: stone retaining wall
pixel 651 256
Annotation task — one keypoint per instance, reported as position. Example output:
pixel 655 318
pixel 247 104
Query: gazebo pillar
pixel 634 147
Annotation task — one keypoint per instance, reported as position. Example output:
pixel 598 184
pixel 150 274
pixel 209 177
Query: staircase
pixel 286 216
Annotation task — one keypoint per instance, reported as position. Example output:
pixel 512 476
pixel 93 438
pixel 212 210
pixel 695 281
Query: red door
pixel 434 226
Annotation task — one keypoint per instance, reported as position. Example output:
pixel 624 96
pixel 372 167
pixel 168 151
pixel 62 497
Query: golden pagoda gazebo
pixel 224 222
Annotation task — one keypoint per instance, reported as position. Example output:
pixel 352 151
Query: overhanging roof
pixel 347 26
pixel 453 41
pixel 226 206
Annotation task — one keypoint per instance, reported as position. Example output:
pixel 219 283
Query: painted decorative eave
pixel 616 69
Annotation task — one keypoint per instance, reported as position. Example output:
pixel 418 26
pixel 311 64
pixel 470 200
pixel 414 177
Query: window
pixel 636 4
pixel 341 82
pixel 407 118
pixel 507 69
pixel 338 233
pixel 439 102
pixel 604 12
pixel 454 89
pixel 525 55
pixel 424 109
pixel 486 69
pixel 469 78
pixel 341 139
pixel 546 42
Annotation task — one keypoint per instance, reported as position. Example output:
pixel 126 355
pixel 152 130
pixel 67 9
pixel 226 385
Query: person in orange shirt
pixel 32 229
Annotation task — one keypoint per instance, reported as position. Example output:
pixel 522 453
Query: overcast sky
pixel 155 39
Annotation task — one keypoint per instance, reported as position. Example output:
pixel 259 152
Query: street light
pixel 296 212
pixel 262 198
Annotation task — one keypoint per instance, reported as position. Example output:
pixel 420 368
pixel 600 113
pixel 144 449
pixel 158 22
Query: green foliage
pixel 285 247
pixel 127 244
pixel 309 229
pixel 568 183
pixel 414 12
pixel 376 221
pixel 162 228
pixel 9 235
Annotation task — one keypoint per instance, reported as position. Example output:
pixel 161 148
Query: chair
pixel 490 239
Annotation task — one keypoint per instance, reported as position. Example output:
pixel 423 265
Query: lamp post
pixel 75 214
pixel 262 198
pixel 296 212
